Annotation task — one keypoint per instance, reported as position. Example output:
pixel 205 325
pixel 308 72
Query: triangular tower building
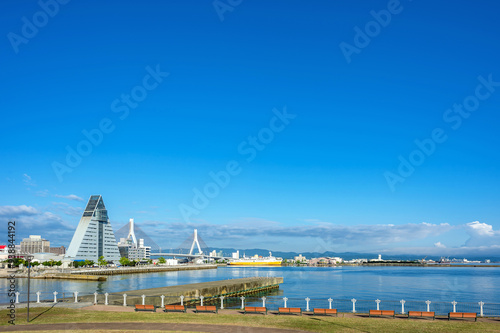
pixel 94 236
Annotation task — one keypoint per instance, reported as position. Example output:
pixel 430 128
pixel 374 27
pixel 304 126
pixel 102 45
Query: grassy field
pixel 305 322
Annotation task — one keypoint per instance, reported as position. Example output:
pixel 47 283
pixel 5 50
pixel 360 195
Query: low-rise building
pixel 133 251
pixel 34 244
pixel 58 250
pixel 300 258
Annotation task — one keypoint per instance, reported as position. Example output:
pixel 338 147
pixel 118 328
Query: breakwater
pixel 66 276
pixel 140 269
pixel 191 292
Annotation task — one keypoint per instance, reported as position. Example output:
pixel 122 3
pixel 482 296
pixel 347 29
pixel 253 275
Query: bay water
pixel 438 284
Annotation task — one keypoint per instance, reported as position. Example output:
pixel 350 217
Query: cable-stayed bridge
pixel 189 246
pixel 192 247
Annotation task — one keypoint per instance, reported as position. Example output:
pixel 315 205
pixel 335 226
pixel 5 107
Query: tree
pixel 102 262
pixel 162 260
pixel 124 261
pixel 89 262
pixel 77 264
pixel 18 261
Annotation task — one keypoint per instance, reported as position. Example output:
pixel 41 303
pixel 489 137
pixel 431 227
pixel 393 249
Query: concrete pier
pixel 191 292
pixel 65 276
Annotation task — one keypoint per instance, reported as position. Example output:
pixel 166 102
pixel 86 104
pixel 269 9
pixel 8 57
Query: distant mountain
pixel 344 255
pixel 290 255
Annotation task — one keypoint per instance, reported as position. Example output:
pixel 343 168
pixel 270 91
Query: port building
pixel 94 235
pixel 132 249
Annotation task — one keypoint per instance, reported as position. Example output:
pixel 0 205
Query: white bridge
pixel 194 245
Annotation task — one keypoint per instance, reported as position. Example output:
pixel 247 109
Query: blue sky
pixel 308 112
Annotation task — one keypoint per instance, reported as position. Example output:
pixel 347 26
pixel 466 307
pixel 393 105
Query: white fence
pixel 271 302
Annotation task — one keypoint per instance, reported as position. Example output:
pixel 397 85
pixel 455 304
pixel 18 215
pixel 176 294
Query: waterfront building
pixel 4 252
pixel 139 251
pixel 325 261
pixel 337 260
pixel 300 258
pixel 378 259
pixel 58 250
pixel 94 235
pixel 130 248
pixel 34 244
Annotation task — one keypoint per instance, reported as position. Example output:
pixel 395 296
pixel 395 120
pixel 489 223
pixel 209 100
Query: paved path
pixel 146 327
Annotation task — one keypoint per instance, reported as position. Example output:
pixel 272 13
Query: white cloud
pixel 27 180
pixel 31 221
pixel 68 209
pixel 320 236
pixel 15 211
pixel 481 234
pixel 440 245
pixel 43 193
pixel 69 197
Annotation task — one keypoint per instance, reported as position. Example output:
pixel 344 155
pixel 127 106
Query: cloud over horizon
pixel 324 236
pixel 31 221
pixel 312 236
pixel 329 236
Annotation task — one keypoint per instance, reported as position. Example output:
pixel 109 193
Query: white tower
pixel 195 241
pixel 131 234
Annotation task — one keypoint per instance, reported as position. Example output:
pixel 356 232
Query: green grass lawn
pixel 305 322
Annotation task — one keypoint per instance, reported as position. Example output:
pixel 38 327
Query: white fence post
pixel 481 308
pixel 55 296
pixel 378 304
pixel 454 306
pixel 285 299
pixel 162 301
pixel 143 299
pixel 242 302
pixel 307 303
pixel 222 302
pixel 201 298
pixel 353 305
pixel 330 300
pixel 124 299
pixel 38 296
pixel 263 301
pixel 76 296
pixel 95 297
pixel 402 306
pixel 182 300
pixel 17 297
pixel 106 299
pixel 428 305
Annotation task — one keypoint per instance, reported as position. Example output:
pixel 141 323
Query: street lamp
pixel 28 261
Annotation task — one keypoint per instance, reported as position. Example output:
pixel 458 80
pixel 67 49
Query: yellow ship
pixel 257 261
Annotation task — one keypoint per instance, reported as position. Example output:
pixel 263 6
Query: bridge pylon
pixel 195 242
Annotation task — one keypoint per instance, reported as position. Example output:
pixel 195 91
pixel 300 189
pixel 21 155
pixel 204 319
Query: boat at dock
pixel 257 260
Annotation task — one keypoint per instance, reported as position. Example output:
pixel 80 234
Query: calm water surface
pixel 463 284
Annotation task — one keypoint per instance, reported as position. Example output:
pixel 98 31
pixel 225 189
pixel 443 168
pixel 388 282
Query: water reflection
pixel 388 283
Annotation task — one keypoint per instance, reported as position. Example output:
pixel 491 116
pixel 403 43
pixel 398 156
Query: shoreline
pixel 97 274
